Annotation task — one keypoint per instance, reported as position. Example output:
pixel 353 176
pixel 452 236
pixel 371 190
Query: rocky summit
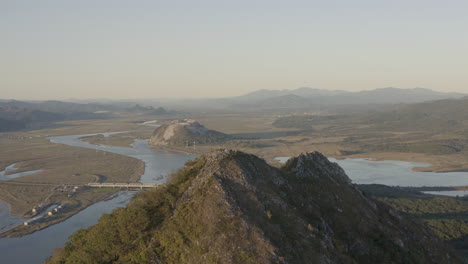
pixel 232 207
pixel 186 132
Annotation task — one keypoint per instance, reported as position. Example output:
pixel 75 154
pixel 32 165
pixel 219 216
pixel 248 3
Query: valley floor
pixel 251 133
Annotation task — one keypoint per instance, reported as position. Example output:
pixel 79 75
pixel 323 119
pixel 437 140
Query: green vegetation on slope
pixel 231 207
pixel 446 216
pixel 124 235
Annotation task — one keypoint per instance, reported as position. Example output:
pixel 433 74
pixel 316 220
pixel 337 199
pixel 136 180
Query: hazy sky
pixel 136 49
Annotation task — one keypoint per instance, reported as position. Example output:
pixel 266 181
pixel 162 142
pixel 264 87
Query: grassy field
pixel 447 217
pixel 425 133
pixel 122 139
pixel 340 138
pixel 73 204
pixel 253 133
pixel 334 137
pixel 113 140
pixel 61 164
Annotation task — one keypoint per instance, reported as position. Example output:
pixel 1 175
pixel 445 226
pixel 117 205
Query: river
pixel 398 173
pixel 37 247
pixel 7 173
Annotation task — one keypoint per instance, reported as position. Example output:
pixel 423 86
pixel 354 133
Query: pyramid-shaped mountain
pixel 232 207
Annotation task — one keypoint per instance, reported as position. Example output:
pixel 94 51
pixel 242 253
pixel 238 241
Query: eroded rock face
pixel 316 165
pixel 232 207
pixel 186 132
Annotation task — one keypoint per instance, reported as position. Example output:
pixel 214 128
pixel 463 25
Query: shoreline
pixel 405 157
pixel 4 234
pixel 9 211
pixel 166 149
pixel 434 163
pixel 38 227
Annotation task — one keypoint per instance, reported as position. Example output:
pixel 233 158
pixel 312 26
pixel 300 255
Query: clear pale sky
pixel 151 49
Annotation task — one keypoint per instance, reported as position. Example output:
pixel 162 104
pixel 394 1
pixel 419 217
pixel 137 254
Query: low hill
pixel 232 207
pixel 448 109
pixel 394 96
pixel 186 132
pixel 302 92
pixel 447 113
pixel 289 101
pixel 147 110
pixel 431 128
pixel 58 106
pixel 159 111
pixel 11 125
pixel 13 117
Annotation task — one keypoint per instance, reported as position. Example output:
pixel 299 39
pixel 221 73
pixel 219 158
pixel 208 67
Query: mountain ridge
pixel 316 98
pixel 232 207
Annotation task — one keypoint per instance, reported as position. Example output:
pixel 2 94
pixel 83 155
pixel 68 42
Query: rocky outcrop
pixel 232 207
pixel 186 132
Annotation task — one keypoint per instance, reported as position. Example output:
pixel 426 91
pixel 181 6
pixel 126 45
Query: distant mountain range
pixel 17 115
pixel 57 106
pixel 302 92
pixel 301 99
pixel 312 99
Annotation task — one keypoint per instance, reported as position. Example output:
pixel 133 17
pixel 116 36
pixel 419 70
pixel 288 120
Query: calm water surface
pixel 395 173
pixel 38 246
pixel 158 165
pixel 10 169
pixel 448 193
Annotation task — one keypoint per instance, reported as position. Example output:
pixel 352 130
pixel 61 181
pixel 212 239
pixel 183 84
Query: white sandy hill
pixel 186 132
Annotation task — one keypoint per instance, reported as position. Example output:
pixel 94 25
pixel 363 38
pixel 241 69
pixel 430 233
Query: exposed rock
pixel 186 132
pixel 232 207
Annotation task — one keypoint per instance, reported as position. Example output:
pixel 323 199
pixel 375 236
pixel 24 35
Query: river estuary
pixel 37 247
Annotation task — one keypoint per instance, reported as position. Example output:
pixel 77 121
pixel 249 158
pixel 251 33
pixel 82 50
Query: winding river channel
pixel 37 247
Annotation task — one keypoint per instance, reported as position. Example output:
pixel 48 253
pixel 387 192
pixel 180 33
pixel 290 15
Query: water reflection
pixel 398 173
pixel 4 174
pixel 395 173
pixel 36 247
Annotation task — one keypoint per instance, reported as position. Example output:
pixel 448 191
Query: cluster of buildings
pixel 38 209
pixel 56 209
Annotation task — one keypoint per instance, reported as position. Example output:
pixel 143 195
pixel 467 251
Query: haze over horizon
pixel 154 49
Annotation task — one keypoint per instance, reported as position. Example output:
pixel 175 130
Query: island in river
pixel 157 167
pixel 46 159
pixel 81 163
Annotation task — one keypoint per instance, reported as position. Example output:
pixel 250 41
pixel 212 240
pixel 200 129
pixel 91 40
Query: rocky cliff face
pixel 185 132
pixel 232 207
